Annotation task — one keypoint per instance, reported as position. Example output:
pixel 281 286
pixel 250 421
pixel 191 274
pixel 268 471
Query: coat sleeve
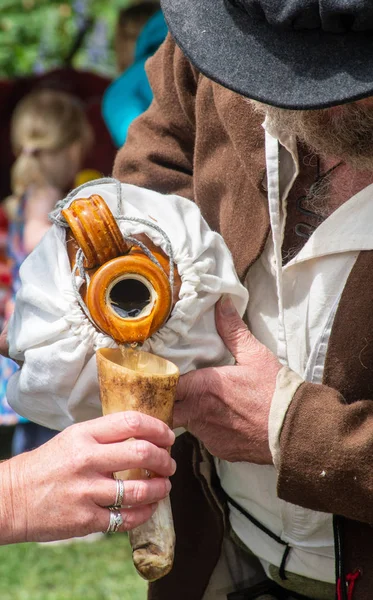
pixel 158 154
pixel 326 450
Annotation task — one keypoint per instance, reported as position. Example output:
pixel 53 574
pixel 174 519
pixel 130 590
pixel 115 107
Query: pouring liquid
pixel 130 355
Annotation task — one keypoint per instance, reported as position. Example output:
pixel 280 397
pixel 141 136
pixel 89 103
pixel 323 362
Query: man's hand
pixel 227 408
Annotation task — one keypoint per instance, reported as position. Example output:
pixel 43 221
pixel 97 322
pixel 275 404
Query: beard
pixel 344 132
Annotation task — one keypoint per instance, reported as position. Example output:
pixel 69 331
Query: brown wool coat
pixel 204 142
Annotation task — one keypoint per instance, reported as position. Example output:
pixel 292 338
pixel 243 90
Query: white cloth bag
pixel 57 384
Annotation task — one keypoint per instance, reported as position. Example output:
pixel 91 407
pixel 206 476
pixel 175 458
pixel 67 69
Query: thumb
pixel 233 331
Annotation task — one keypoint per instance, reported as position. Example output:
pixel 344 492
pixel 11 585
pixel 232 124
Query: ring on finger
pixel 115 521
pixel 119 495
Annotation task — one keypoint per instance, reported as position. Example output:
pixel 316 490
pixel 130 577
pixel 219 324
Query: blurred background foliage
pixel 37 35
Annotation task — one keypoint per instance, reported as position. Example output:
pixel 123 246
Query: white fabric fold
pixel 287 383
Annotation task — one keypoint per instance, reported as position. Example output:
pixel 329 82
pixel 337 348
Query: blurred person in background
pixel 5 276
pixel 141 29
pixel 5 291
pixel 50 136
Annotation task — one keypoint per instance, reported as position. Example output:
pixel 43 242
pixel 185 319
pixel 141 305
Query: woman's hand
pixel 63 488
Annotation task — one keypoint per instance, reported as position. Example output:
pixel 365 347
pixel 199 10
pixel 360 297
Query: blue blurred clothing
pixel 28 436
pixel 130 95
pixel 16 254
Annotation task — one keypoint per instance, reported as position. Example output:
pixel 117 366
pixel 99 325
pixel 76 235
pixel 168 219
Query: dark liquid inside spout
pixel 126 312
pixel 129 297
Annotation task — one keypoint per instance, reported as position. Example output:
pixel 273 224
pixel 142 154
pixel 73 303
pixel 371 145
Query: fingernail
pixel 173 465
pixel 171 437
pixel 168 486
pixel 226 306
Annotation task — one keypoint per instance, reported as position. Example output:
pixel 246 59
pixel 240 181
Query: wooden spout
pixel 95 230
pixel 134 380
pixel 129 296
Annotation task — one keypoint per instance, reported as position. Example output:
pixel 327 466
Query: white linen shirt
pixel 291 310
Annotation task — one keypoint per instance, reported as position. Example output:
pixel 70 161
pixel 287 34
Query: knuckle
pixel 76 431
pixel 80 458
pixel 86 492
pixel 142 450
pixel 164 490
pixel 162 429
pixel 74 443
pixel 87 521
pixel 132 422
pixel 140 492
pixel 84 459
pixel 165 461
pixel 129 520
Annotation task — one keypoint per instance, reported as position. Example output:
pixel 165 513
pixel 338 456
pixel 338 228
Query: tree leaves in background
pixel 37 35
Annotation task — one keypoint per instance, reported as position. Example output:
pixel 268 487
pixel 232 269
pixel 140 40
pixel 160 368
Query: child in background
pixel 50 135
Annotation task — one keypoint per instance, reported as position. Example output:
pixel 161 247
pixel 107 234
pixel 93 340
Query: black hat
pixel 297 54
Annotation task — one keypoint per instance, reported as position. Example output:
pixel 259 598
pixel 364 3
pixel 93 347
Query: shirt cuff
pixel 287 383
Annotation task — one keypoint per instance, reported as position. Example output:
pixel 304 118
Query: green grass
pixel 101 570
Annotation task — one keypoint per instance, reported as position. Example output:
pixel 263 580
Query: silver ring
pixel 120 494
pixel 116 520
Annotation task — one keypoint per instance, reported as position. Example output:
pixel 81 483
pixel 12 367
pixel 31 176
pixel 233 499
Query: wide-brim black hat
pixel 298 54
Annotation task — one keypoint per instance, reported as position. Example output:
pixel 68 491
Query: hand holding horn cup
pixel 71 479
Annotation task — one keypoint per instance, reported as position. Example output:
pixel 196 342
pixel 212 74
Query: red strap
pixel 339 589
pixel 350 581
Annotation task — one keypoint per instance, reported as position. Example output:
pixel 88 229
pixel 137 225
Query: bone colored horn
pixel 135 380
